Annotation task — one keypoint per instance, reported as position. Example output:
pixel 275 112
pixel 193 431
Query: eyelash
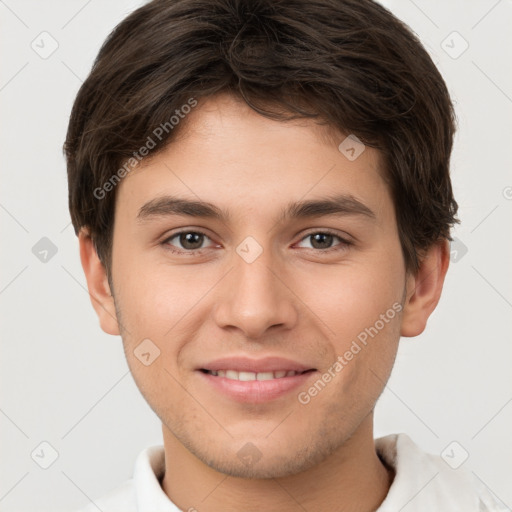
pixel 343 245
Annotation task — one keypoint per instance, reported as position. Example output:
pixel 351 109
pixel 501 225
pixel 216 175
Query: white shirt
pixel 422 483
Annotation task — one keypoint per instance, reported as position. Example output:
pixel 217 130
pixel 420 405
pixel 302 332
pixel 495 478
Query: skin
pixel 297 300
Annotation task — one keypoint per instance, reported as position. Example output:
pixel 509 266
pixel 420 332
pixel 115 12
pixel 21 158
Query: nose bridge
pixel 253 298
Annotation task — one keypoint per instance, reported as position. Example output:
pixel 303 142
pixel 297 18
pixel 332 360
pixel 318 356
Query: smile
pixel 255 387
pixel 248 376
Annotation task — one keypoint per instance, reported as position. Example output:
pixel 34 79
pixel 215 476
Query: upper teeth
pixel 233 374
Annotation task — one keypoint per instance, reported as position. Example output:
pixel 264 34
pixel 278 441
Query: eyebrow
pixel 340 205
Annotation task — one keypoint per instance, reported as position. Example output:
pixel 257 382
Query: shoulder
pixel 426 482
pixel 486 500
pixel 142 492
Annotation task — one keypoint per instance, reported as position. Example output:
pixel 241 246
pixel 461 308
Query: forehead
pixel 226 153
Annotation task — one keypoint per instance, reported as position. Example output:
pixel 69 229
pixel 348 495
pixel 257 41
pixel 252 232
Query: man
pixel 262 197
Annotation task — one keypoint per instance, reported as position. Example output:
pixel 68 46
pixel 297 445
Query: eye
pixel 193 242
pixel 188 241
pixel 324 240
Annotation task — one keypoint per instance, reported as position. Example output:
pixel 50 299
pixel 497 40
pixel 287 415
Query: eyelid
pixel 167 239
pixel 344 241
pixel 327 231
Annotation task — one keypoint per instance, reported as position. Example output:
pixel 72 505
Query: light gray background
pixel 65 382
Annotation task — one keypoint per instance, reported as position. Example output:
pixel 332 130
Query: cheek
pixel 359 305
pixel 167 306
pixel 153 297
pixel 349 298
pixel 359 369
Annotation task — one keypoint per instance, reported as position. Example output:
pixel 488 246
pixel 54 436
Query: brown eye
pixel 321 240
pixel 187 241
pixel 191 240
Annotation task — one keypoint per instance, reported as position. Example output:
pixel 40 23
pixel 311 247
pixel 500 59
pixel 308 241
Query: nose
pixel 255 298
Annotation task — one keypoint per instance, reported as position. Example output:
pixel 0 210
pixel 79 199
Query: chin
pixel 252 460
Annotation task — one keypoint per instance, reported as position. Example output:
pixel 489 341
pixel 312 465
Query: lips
pixel 255 380
pixel 247 376
pixel 264 365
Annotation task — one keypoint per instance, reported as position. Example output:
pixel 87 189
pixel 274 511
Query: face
pixel 294 265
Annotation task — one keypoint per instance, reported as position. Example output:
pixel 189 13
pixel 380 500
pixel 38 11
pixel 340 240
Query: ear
pixel 97 283
pixel 424 288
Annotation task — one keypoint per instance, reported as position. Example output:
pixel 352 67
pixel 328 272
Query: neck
pixel 351 479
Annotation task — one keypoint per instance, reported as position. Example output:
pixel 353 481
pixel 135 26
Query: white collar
pixel 425 482
pixel 422 483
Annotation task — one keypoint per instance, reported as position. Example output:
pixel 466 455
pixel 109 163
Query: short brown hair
pixel 348 63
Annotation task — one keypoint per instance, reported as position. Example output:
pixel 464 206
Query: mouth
pixel 245 376
pixel 250 381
